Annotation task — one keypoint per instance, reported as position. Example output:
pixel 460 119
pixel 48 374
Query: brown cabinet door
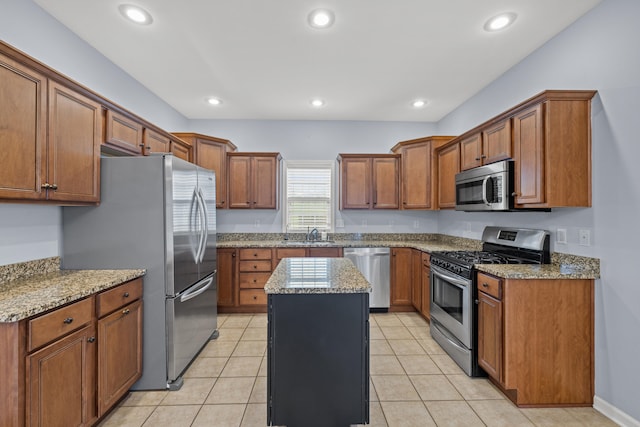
pixel 386 183
pixel 401 275
pixel 448 167
pixel 60 382
pixel 416 279
pixel 356 183
pixel 426 286
pixel 181 150
pixel 264 171
pixel 123 133
pixel 120 354
pixel 471 152
pixel 155 142
pixel 416 176
pixel 75 126
pixel 227 283
pixel 213 156
pixel 23 133
pixel 490 340
pixel 324 252
pixel 528 155
pixel 239 184
pixel 496 142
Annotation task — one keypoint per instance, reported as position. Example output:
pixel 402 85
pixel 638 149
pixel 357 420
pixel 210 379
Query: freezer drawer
pixel 191 321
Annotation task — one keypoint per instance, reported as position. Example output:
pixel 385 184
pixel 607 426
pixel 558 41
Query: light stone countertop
pixel 34 294
pixel 316 276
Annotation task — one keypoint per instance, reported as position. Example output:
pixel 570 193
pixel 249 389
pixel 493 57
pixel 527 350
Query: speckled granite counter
pixel 563 266
pixel 38 286
pixel 316 276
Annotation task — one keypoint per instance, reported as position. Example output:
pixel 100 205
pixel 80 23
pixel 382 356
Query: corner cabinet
pixel 369 181
pixel 51 137
pixel 417 165
pixel 211 153
pixel 253 180
pixel 536 339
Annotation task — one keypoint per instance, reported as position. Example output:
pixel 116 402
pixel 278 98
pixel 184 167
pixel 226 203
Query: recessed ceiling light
pixel 135 14
pixel 500 22
pixel 214 101
pixel 317 103
pixel 419 103
pixel 321 18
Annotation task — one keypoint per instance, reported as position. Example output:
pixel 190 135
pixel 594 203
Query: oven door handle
pixel 449 337
pixel 442 274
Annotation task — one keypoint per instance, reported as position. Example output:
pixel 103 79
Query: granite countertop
pixel 316 276
pixel 563 266
pixel 25 295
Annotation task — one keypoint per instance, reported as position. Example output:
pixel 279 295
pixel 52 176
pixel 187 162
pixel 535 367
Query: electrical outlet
pixel 585 237
pixel 416 223
pixel 561 236
pixel 340 223
pixel 256 223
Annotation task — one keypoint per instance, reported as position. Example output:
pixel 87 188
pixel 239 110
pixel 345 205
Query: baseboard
pixel 613 413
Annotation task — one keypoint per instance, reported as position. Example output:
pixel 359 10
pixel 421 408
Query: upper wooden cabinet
pixel 211 153
pixel 155 142
pixel 448 163
pixel 123 133
pixel 50 138
pixel 181 149
pixel 253 180
pixel 369 181
pixel 490 145
pixel 552 151
pixel 417 164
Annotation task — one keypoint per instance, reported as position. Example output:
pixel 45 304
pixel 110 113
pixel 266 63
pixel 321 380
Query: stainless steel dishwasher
pixel 374 264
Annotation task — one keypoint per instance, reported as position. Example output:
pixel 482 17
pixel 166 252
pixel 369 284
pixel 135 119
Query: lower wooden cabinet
pixel 401 279
pixel 227 260
pixel 535 339
pixel 61 381
pixel 425 307
pixel 416 279
pixel 69 366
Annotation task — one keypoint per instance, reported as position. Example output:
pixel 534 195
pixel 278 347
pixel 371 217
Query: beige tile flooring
pixel 413 383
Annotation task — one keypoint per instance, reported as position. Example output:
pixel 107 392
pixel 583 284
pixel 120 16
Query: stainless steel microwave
pixel 485 188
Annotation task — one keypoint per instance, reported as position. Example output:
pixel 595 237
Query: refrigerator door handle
pixel 205 227
pixel 194 214
pixel 206 284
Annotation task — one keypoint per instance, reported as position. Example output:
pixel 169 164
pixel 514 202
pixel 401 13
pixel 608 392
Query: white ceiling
pixel 263 60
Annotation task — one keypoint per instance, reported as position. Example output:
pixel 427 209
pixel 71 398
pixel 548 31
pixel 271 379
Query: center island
pixel 318 343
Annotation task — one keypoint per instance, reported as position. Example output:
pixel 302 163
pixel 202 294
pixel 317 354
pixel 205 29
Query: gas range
pixel 453 293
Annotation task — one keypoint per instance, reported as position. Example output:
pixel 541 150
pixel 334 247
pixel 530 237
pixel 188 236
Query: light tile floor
pixel 413 383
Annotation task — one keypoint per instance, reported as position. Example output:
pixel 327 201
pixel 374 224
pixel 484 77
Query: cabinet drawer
pixel 253 280
pixel 490 285
pixel 258 265
pixel 48 327
pixel 255 253
pixel 290 253
pixel 119 296
pixel 253 297
pixel 325 252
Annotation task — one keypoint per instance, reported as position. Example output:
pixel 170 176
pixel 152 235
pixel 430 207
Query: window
pixel 308 196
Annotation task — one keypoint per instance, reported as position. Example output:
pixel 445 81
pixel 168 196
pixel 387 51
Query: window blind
pixel 308 196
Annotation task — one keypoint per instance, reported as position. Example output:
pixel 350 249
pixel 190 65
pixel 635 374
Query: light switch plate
pixel 561 236
pixel 585 237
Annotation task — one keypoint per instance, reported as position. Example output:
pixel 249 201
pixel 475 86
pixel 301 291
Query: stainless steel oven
pixel 452 321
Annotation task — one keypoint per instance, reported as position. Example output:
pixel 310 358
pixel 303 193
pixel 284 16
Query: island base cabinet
pixel 60 382
pixel 318 360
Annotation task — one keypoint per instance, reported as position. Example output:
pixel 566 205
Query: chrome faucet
pixel 313 234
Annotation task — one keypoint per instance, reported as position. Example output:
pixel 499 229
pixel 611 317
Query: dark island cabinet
pixel 318 360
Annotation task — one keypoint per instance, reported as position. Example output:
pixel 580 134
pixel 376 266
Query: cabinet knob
pixel 254 280
pixel 255 266
pixel 485 285
pixel 91 339
pixel 45 186
pixel 514 194
pixel 255 297
pixel 68 320
pixel 53 186
pixel 484 156
pixel 126 295
pixel 125 311
pixel 477 158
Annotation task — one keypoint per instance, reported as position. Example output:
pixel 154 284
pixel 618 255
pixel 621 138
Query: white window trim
pixel 311 164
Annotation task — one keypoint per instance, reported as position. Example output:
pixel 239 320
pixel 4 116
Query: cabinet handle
pixel 126 295
pixel 45 186
pixel 477 158
pixel 254 280
pixel 53 186
pixel 125 311
pixel 68 320
pixel 255 297
pixel 91 339
pixel 485 285
pixel 514 194
pixel 233 255
pixel 255 266
pixel 484 156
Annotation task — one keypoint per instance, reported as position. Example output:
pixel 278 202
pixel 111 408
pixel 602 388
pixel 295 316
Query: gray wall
pixel 597 52
pixel 600 51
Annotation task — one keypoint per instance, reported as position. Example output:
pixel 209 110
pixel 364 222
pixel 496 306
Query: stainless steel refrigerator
pixel 158 213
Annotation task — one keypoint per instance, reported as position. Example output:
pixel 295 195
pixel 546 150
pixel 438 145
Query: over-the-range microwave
pixel 486 188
